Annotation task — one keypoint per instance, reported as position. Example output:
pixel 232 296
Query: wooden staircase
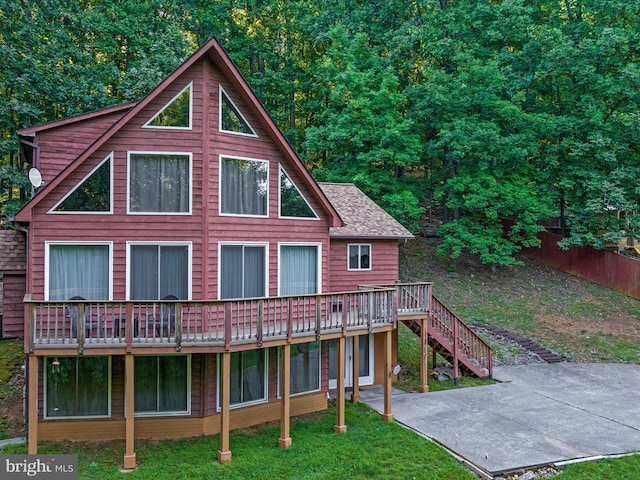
pixel 451 338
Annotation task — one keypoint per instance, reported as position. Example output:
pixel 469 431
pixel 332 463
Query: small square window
pixel 359 257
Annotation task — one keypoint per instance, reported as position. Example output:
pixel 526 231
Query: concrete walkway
pixel 538 415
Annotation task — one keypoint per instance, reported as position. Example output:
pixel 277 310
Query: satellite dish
pixel 35 178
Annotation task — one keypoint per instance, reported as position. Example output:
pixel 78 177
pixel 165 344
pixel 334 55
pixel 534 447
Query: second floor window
pixel 244 186
pixel 159 183
pixel 156 271
pixel 359 257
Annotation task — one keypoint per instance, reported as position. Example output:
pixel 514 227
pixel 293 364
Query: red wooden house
pixel 186 275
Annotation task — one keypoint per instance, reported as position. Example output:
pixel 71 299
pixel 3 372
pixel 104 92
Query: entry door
pixel 365 347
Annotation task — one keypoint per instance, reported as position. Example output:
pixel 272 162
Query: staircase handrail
pixel 460 335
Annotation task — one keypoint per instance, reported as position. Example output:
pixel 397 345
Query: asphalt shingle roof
pixel 362 217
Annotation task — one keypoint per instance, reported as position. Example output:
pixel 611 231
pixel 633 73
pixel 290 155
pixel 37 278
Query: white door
pixel 365 347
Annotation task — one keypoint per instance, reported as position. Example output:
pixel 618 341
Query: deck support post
pixel 224 454
pixel 456 353
pixel 387 416
pixel 285 441
pixel 424 364
pixel 355 393
pixel 130 454
pixel 32 417
pixel 340 426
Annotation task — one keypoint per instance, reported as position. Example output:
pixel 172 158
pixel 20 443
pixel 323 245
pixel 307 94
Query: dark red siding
pixel 14 288
pixel 384 265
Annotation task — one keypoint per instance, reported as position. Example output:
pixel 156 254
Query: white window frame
pixel 265 379
pixel 221 93
pixel 108 158
pixel 359 245
pixel 363 381
pixel 189 245
pixel 190 174
pixel 47 267
pixel 283 171
pixel 220 188
pixel 302 244
pixel 169 414
pixel 162 127
pixel 45 413
pixel 244 244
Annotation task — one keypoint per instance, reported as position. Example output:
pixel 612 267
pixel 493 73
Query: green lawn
pixel 369 449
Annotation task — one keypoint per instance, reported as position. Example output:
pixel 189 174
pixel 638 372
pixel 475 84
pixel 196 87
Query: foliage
pixel 479 111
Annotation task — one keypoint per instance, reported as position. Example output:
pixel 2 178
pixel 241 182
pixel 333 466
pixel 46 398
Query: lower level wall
pixel 14 288
pixel 175 427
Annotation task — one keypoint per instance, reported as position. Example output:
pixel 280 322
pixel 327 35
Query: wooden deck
pixel 84 327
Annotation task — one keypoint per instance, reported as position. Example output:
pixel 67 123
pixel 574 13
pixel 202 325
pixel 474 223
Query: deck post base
pixel 387 417
pixel 224 457
pixel 423 388
pixel 340 428
pixel 130 462
pixel 285 443
pixel 355 398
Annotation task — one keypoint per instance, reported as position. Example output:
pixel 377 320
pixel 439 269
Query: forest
pixel 454 115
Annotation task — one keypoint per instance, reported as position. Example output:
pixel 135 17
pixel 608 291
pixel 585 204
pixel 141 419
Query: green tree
pixel 363 135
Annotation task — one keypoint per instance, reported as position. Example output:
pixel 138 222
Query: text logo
pixel 44 467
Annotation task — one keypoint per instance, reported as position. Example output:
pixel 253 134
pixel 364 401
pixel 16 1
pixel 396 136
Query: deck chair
pixel 165 319
pixel 91 322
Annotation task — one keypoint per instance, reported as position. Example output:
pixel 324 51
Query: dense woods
pixel 451 113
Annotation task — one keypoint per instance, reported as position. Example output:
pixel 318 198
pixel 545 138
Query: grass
pixel 370 448
pixel 11 356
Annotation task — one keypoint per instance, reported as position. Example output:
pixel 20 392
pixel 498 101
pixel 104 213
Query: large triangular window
pixel 92 194
pixel 231 120
pixel 292 203
pixel 176 113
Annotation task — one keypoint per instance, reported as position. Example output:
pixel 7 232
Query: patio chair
pixel 165 319
pixel 91 321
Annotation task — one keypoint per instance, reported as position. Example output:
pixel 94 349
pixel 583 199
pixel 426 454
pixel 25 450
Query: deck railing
pixel 459 335
pixel 81 323
pixel 411 297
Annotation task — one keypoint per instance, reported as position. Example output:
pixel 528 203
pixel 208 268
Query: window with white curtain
pixel 162 384
pixel 158 270
pixel 159 182
pixel 243 271
pixel 78 270
pixel 244 186
pixel 77 387
pixel 299 269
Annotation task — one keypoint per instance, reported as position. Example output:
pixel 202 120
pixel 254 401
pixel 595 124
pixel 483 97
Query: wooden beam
pixel 355 393
pixel 32 416
pixel 340 426
pixel 387 416
pixel 285 399
pixel 224 454
pixel 424 364
pixel 129 390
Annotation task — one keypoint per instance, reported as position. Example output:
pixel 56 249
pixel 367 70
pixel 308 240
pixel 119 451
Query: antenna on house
pixel 35 178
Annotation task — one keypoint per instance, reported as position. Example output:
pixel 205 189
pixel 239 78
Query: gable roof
pixel 31 131
pixel 213 51
pixel 362 217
